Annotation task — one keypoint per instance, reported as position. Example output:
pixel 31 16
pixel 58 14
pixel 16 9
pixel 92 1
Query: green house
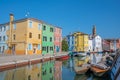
pixel 47 39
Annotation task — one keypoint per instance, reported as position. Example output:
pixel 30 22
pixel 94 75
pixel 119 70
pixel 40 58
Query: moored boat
pixel 81 66
pixel 99 69
pixel 82 69
pixel 65 57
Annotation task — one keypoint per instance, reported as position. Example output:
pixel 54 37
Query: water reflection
pixel 23 73
pixel 51 70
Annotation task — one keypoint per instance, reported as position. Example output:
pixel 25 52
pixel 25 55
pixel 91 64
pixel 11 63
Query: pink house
pixel 57 39
pixel 118 43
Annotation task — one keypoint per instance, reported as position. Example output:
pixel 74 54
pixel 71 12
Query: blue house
pixel 70 40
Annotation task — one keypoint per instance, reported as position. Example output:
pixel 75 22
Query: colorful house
pixel 71 42
pixel 81 42
pixel 24 36
pixel 57 39
pixel 47 39
pixel 111 44
pixel 96 41
pixel 29 36
pixel 118 43
pixel 97 44
pixel 3 37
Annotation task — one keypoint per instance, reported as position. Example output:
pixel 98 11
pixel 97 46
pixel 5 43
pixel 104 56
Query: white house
pixel 3 37
pixel 90 47
pixel 97 43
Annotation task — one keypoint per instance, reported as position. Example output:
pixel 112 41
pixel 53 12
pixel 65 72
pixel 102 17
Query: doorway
pixel 13 49
pixel 47 49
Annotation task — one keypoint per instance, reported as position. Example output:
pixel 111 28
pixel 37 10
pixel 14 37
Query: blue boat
pixel 115 69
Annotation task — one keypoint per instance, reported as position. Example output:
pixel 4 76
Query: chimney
pixel 10 30
pixel 11 17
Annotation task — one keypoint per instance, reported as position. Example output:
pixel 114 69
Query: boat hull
pixel 83 71
pixel 97 71
pixel 62 57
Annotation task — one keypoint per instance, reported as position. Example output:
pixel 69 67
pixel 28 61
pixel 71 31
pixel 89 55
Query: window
pixel 14 26
pixel 50 70
pixel 0 28
pixel 3 38
pixel 44 48
pixel 38 46
pixel 8 27
pixel 39 26
pixel 54 29
pixel 0 38
pixel 4 28
pixel 51 29
pixel 44 38
pixel 51 48
pixel 3 49
pixel 44 27
pixel 59 31
pixel 50 39
pixel 30 35
pixel 30 24
pixel 14 37
pixel 0 49
pixel 38 36
pixel 29 46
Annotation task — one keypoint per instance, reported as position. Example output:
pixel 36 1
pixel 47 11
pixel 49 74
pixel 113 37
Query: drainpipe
pixel 10 31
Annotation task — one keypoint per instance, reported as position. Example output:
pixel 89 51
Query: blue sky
pixel 70 15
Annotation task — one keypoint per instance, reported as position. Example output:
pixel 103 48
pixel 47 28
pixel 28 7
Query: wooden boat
pixel 65 57
pixel 99 69
pixel 81 66
pixel 81 69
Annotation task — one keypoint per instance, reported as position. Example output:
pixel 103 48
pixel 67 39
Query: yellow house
pixel 81 42
pixel 24 36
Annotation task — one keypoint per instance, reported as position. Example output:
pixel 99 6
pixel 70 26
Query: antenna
pixel 27 14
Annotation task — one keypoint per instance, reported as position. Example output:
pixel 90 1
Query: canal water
pixel 51 70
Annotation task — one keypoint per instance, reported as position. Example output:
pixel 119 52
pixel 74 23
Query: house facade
pixel 97 44
pixel 90 46
pixel 3 38
pixel 57 39
pixel 28 36
pixel 47 39
pixel 24 36
pixel 71 42
pixel 118 43
pixel 81 42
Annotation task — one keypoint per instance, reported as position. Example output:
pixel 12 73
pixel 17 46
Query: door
pixel 47 49
pixel 13 49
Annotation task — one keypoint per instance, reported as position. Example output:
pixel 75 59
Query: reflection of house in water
pixel 48 70
pixel 32 72
pixel 58 70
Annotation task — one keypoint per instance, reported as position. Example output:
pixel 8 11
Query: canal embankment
pixel 14 61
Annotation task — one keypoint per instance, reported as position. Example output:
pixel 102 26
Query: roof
pixel 24 19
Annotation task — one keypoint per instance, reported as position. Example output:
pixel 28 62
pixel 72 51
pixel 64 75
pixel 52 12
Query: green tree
pixel 64 45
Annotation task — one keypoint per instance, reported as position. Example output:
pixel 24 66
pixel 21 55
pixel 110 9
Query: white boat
pixel 81 54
